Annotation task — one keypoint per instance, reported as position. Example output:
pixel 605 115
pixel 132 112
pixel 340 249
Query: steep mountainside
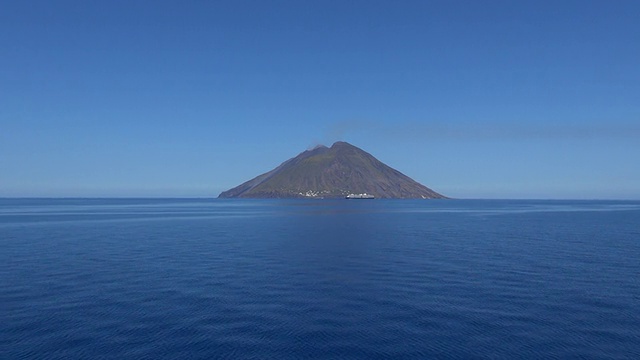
pixel 332 172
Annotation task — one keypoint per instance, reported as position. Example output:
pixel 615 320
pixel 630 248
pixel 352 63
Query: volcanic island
pixel 339 171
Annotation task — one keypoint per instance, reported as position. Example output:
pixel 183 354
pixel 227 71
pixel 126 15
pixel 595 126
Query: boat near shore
pixel 360 196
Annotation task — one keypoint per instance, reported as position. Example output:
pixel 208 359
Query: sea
pixel 319 279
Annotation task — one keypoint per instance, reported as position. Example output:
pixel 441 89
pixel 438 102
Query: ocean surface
pixel 318 279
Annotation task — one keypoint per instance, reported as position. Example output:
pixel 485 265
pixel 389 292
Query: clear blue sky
pixel 475 99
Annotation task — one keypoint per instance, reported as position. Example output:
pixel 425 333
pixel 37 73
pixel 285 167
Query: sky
pixel 474 99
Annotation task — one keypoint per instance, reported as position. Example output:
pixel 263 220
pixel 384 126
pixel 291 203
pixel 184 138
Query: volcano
pixel 333 172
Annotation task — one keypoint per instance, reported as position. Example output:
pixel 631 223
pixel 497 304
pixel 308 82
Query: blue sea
pixel 318 279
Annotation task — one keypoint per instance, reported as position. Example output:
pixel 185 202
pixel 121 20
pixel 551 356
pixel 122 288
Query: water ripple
pixel 293 279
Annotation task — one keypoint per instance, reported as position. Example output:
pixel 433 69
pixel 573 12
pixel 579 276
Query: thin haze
pixel 432 130
pixel 499 99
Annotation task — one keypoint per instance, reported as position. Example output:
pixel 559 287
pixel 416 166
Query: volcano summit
pixel 333 172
